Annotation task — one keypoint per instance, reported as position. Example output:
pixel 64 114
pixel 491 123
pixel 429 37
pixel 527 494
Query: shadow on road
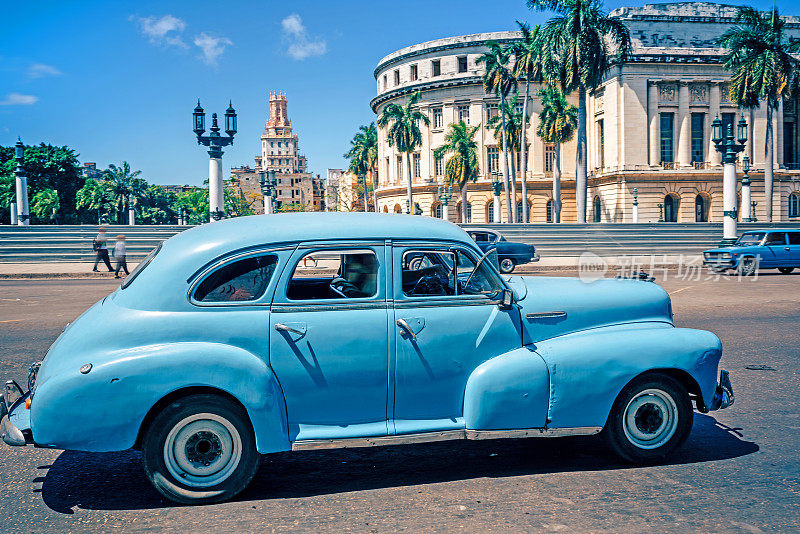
pixel 115 481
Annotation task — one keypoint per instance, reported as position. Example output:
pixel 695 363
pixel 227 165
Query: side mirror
pixel 506 299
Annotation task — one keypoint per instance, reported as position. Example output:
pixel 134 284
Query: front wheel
pixel 785 270
pixel 748 266
pixel 650 418
pixel 506 265
pixel 200 449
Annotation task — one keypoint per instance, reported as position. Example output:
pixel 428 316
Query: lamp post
pixel 269 189
pixel 746 206
pixel 497 189
pixel 214 141
pixel 444 194
pixel 635 205
pixel 131 212
pixel 660 212
pixel 12 208
pixel 23 216
pixel 753 211
pixel 729 148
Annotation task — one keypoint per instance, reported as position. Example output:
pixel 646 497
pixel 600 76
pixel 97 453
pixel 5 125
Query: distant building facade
pixel 649 125
pixel 90 171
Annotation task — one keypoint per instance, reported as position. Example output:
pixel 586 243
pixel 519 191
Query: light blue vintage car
pixel 287 332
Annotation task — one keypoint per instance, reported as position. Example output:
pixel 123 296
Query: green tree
pixel 403 131
pixel 45 205
pixel 95 197
pixel 765 68
pixel 7 193
pixel 236 204
pixel 557 123
pixel 363 156
pixel 155 206
pixel 46 167
pixel 579 46
pixel 194 204
pixel 527 65
pixel 462 166
pixel 498 79
pixel 126 186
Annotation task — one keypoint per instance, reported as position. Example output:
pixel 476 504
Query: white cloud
pixel 40 70
pixel 301 46
pixel 18 99
pixel 212 47
pixel 166 30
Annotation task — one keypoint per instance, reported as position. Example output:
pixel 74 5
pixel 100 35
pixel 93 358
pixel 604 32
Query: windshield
pixel 750 238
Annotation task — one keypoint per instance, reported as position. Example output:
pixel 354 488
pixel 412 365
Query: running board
pixel 447 435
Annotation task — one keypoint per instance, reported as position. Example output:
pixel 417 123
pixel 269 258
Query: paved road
pixel 737 473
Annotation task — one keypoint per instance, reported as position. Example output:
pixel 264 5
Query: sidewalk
pixel 563 263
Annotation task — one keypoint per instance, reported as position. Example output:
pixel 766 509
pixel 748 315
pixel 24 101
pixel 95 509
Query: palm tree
pixel 45 204
pixel 513 123
pixel 125 186
pixel 404 133
pixel 528 65
pixel 557 123
pixel 577 52
pixel 498 79
pixel 363 156
pixel 462 167
pixel 763 68
pixel 95 196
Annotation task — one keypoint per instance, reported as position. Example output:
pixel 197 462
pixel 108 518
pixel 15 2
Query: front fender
pixel 588 369
pixel 104 409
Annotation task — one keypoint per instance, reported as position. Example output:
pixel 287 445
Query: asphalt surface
pixel 738 472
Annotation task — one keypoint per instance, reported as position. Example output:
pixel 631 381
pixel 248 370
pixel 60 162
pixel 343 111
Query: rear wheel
pixel 748 266
pixel 200 449
pixel 785 270
pixel 507 265
pixel 650 418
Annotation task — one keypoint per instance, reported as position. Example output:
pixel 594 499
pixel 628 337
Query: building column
pixel 684 158
pixel 655 124
pixel 713 157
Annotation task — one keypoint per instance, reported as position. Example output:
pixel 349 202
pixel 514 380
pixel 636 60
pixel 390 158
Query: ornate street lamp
pixel 746 206
pixel 444 194
pixel 23 216
pixel 214 141
pixel 635 205
pixel 660 212
pixel 497 190
pixel 729 148
pixel 269 188
pixel 753 211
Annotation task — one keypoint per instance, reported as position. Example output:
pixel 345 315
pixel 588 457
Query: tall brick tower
pixel 279 145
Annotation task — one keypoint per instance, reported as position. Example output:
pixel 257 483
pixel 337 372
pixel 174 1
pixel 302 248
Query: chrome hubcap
pixel 650 419
pixel 202 450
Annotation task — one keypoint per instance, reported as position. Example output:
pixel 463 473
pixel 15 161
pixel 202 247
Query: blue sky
pixel 118 80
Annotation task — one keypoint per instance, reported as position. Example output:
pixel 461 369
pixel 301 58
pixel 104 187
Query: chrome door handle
pixel 407 327
pixel 785 248
pixel 545 315
pixel 283 328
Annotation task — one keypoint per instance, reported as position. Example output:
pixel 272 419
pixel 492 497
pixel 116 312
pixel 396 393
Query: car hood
pixel 553 306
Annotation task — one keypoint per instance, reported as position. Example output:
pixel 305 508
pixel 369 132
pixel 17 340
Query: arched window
pixel 398 209
pixel 700 209
pixel 596 209
pixel 437 210
pixel 490 212
pixel 386 209
pixel 519 210
pixel 670 208
pixel 549 210
pixel 794 205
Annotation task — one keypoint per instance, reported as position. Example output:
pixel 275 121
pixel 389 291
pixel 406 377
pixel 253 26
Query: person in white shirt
pixel 119 255
pixel 99 246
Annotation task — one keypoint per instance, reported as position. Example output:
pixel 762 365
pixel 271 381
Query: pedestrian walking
pixel 119 255
pixel 101 250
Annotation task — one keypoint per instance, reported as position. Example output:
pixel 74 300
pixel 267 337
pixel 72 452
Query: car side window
pixel 475 282
pixel 776 238
pixel 238 281
pixel 428 273
pixel 794 238
pixel 334 274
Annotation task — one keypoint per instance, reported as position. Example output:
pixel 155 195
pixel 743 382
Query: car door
pixel 794 248
pixel 442 333
pixel 777 250
pixel 329 343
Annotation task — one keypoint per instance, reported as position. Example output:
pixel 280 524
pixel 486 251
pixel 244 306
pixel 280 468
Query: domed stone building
pixel 649 126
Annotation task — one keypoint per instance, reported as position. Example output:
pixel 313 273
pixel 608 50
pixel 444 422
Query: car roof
pixel 772 230
pixel 469 230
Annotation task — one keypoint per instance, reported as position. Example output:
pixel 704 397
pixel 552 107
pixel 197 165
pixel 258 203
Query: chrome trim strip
pixel 545 315
pixel 446 435
pixel 436 302
pixel 282 307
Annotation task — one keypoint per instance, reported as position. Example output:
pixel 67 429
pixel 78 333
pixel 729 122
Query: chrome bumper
pixel 723 396
pixel 536 257
pixel 13 400
pixel 12 435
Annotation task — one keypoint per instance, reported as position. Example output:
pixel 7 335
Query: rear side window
pixel 776 239
pixel 239 281
pixel 794 238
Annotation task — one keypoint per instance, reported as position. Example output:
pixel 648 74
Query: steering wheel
pixel 342 287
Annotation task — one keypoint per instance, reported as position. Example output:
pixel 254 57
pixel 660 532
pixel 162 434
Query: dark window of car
pixel 434 273
pixel 480 237
pixel 475 279
pixel 139 268
pixel 750 239
pixel 334 274
pixel 794 238
pixel 239 281
pixel 776 238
